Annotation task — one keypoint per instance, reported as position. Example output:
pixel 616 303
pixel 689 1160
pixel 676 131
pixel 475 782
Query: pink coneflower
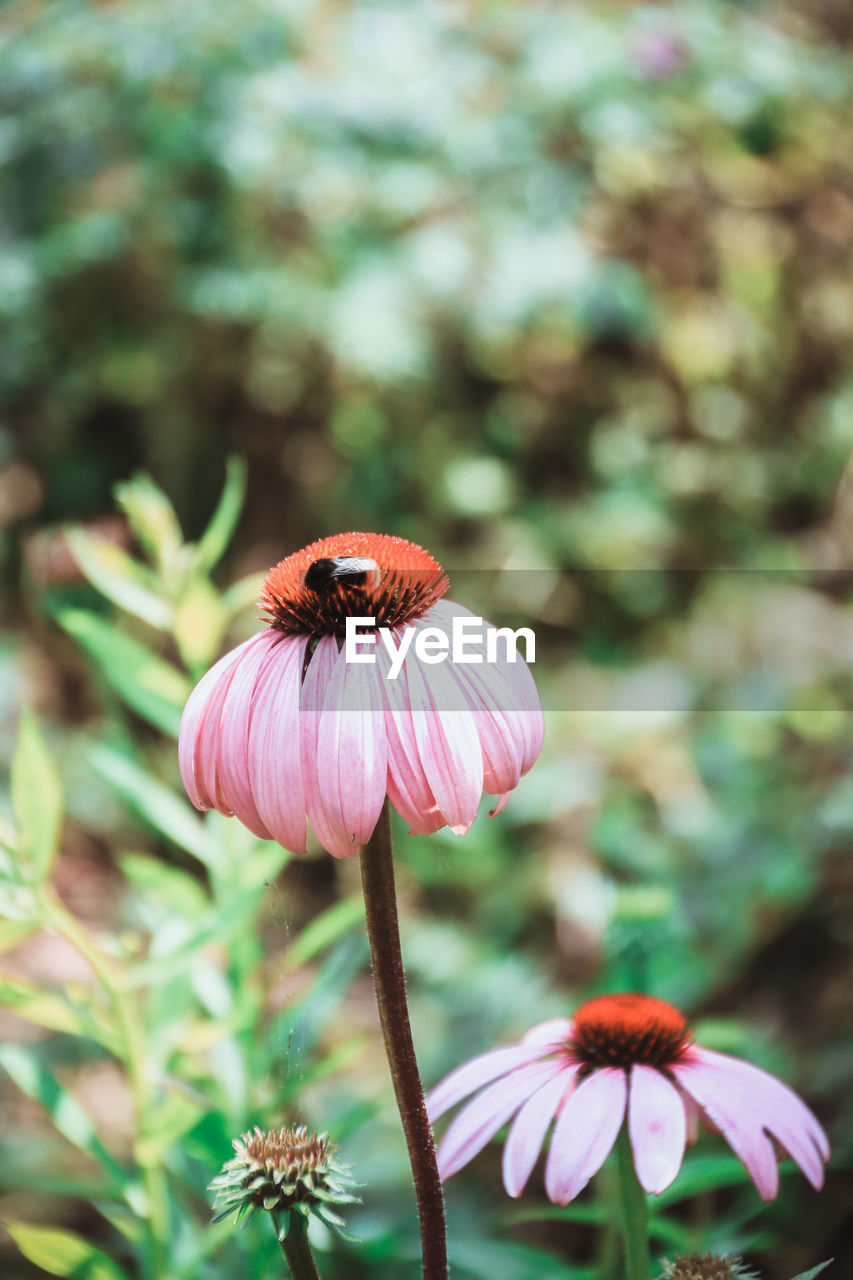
pixel 621 1056
pixel 284 727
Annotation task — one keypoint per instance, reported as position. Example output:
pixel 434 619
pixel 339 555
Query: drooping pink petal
pixel 657 1126
pixel 743 1102
pixel 275 768
pixel 722 1098
pixel 232 756
pixel 408 789
pixel 193 714
pixel 344 756
pixel 483 692
pixel 501 805
pixel 585 1132
pixel 509 685
pixel 478 1072
pixel 529 706
pixel 477 1123
pixel 447 741
pixel 529 1127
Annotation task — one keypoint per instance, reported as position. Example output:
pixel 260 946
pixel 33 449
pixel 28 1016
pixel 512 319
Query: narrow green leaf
pixel 814 1271
pixel 243 593
pixel 199 624
pixel 326 929
pixel 704 1173
pixel 67 1115
pixel 36 800
pixel 173 816
pixel 56 1011
pixel 171 1119
pixel 119 578
pixel 154 689
pixel 165 887
pixel 61 1253
pixel 152 518
pixel 214 541
pixel 13 932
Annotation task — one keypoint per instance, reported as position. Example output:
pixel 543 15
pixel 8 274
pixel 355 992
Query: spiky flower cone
pixel 709 1267
pixel 285 1172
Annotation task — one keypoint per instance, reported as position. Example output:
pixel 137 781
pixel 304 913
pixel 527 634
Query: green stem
pixel 377 875
pixel 609 1252
pixel 58 917
pixel 297 1250
pixel 633 1215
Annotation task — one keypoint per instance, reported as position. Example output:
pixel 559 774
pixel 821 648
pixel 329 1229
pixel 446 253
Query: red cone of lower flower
pixel 621 1059
pixel 284 727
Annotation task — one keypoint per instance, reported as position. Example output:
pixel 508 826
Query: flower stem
pixel 377 876
pixel 297 1250
pixel 633 1217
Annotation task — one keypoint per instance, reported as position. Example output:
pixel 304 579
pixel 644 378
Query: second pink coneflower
pixel 623 1071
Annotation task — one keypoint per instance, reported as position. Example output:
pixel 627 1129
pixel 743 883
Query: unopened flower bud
pixel 709 1267
pixel 283 1171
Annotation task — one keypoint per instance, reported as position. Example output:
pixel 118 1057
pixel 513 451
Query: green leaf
pixel 153 688
pixel 55 1011
pixel 243 593
pixel 169 1121
pixel 168 888
pixel 173 816
pixel 199 624
pixel 14 932
pixel 36 800
pixel 214 541
pixel 326 929
pixel 68 1116
pixel 119 578
pixel 153 520
pixel 814 1271
pixel 704 1173
pixel 487 1258
pixel 61 1253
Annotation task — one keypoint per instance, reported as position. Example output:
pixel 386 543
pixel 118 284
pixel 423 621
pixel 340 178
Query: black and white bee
pixel 323 576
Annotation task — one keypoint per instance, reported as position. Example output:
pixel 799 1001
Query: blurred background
pixel 556 288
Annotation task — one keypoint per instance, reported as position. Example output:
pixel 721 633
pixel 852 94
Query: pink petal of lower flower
pixel 722 1099
pixel 764 1102
pixel 477 1123
pixel 477 1072
pixel 585 1132
pixel 190 721
pixel 658 1128
pixel 275 768
pixel 529 1127
pixel 556 1031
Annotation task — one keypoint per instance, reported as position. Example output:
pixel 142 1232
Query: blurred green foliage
pixel 562 288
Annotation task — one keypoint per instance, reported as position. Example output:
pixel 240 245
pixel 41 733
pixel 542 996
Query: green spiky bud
pixel 283 1171
pixel 710 1267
